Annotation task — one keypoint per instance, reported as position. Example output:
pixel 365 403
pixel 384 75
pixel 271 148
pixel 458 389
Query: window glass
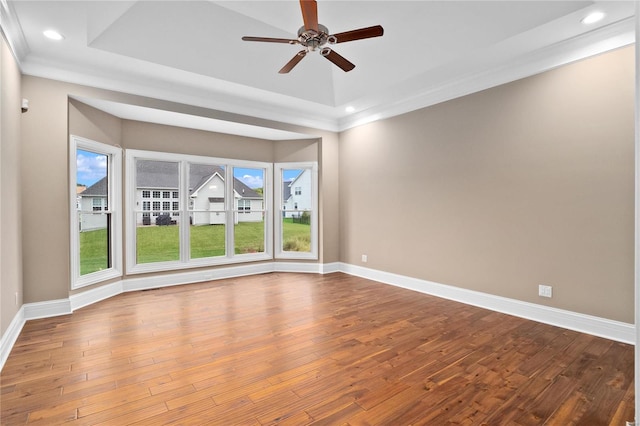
pixel 157 237
pixel 92 183
pixel 297 225
pixel 95 171
pixel 248 214
pixel 207 214
pixel 297 210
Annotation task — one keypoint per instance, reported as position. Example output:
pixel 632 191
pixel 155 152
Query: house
pixel 157 193
pixel 296 194
pixel 489 147
pixel 93 199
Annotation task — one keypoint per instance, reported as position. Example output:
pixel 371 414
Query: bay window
pixel 219 211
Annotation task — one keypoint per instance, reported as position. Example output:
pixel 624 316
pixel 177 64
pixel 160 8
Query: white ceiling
pixel 191 52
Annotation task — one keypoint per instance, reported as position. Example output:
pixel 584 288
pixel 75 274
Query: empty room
pixel 318 212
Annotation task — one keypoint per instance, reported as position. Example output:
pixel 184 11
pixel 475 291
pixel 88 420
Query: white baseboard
pixel 10 336
pixel 94 295
pixel 329 268
pixel 601 327
pixel 47 309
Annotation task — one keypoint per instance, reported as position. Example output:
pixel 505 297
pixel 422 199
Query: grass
pixel 162 243
pixel 93 251
pixel 295 236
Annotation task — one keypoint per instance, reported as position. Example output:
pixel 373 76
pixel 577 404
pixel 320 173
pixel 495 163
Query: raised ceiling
pixel 191 51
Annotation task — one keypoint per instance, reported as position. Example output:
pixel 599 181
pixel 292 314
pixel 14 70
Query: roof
pixel 286 190
pixel 98 189
pixel 164 175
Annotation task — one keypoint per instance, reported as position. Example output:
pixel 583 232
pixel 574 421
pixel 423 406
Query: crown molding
pixel 607 38
pixel 10 27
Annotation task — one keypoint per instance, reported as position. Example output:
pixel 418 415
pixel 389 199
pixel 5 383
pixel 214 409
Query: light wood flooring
pixel 297 349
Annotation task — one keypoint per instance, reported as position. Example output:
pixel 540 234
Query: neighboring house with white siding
pixel 93 200
pixel 157 195
pixel 296 194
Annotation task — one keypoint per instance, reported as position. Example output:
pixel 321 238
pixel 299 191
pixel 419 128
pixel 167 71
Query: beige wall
pixel 10 188
pixel 45 165
pixel 156 137
pixel 524 184
pixel 528 183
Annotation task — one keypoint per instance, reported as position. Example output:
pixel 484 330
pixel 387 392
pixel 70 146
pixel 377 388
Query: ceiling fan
pixel 314 36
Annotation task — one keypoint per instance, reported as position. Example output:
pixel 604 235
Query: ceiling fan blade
pixel 337 59
pixel 271 40
pixel 293 62
pixel 359 34
pixel 310 14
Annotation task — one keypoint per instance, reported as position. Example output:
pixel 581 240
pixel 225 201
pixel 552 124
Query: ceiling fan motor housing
pixel 313 40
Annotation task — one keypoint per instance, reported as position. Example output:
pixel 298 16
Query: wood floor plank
pixel 286 348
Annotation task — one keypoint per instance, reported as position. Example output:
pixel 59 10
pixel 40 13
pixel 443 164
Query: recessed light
pixel 53 35
pixel 592 18
pixel 349 109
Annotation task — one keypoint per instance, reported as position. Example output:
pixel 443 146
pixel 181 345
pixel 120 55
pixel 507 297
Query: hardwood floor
pixel 296 349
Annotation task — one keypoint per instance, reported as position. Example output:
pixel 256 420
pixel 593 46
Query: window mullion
pixel 183 183
pixel 230 201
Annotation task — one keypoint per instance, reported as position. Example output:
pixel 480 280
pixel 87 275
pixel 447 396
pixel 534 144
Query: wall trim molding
pixel 588 324
pixel 11 335
pixel 46 309
pixel 601 327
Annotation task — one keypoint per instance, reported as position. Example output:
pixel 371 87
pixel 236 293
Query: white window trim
pixel 279 202
pixel 185 262
pixel 114 208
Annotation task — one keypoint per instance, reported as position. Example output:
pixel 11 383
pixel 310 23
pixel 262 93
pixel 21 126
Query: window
pixel 96 219
pixel 296 232
pixel 224 221
pixel 244 206
pixel 249 217
pixel 146 206
pixel 159 243
pixel 146 194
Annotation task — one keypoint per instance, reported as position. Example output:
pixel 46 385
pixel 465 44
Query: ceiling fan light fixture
pixel 313 36
pixel 593 17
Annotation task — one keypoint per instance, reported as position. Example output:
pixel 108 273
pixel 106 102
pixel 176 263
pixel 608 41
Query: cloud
pixel 90 167
pixel 252 181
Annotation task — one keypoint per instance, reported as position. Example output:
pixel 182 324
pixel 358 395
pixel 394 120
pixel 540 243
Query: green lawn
pixel 161 243
pixel 93 251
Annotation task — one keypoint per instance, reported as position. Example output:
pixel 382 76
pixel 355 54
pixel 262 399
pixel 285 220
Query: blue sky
pixel 91 167
pixel 254 178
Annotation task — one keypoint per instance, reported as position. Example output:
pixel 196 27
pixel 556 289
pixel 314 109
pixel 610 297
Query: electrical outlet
pixel 545 290
pixel 364 258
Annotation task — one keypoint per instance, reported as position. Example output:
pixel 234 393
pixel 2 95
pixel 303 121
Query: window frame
pixel 278 168
pixel 185 261
pixel 112 207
